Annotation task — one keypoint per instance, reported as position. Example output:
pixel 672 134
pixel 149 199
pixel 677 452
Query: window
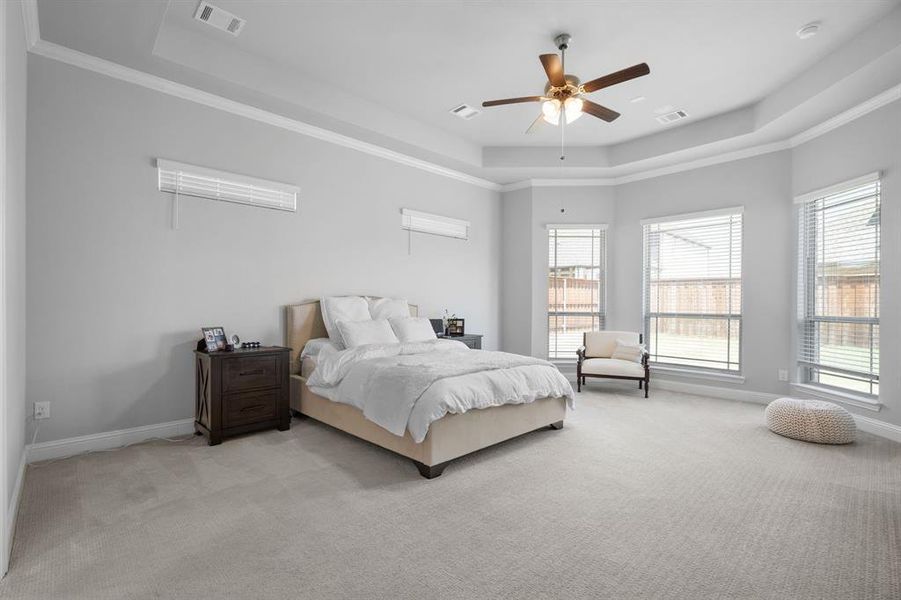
pixel 577 261
pixel 838 286
pixel 692 290
pixel 189 180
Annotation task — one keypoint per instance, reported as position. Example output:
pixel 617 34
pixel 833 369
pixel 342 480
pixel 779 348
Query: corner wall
pixel 12 205
pixel 765 186
pixel 527 213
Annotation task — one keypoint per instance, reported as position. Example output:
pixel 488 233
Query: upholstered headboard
pixel 304 322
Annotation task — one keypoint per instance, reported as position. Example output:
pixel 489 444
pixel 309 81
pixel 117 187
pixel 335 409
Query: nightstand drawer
pixel 250 407
pixel 250 372
pixel 473 340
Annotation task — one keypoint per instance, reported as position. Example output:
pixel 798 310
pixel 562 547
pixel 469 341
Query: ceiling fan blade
pixel 618 77
pixel 513 101
pixel 601 112
pixel 553 66
pixel 536 124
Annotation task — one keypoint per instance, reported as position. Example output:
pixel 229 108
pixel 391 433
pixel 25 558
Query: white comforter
pixel 408 386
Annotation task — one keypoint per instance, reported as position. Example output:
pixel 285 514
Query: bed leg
pixel 430 472
pixel 557 425
pixel 297 414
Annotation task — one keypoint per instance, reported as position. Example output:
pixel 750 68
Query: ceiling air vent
pixel 464 111
pixel 219 18
pixel 671 117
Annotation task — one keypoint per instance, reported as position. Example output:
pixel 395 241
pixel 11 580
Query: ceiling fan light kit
pixel 565 93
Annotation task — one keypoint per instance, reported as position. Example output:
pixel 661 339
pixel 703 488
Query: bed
pixel 448 438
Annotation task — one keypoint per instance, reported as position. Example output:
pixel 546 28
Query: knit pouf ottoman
pixel 811 421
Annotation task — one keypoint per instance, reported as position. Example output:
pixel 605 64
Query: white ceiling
pixel 387 72
pixel 423 58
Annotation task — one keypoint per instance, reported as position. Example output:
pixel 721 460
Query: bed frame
pixel 449 438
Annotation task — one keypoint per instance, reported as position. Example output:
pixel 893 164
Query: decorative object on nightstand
pixel 240 391
pixel 214 337
pixel 452 325
pixel 455 327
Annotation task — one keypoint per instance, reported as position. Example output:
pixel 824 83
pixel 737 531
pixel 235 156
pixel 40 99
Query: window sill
pixel 697 374
pixel 837 396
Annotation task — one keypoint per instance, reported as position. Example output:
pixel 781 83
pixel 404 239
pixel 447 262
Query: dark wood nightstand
pixel 473 340
pixel 241 391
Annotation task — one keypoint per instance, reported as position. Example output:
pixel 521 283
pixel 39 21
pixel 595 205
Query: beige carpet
pixel 673 497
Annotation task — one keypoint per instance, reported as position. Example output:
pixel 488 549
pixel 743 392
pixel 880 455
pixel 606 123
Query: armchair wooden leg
pixel 578 383
pixel 639 383
pixel 646 388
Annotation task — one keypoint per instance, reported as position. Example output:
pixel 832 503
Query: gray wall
pixel 516 272
pixel 871 143
pixel 765 186
pixel 580 204
pixel 117 297
pixel 527 213
pixel 761 185
pixel 13 181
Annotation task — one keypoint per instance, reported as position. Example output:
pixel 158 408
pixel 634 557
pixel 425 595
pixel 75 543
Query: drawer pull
pixel 254 372
pixel 253 407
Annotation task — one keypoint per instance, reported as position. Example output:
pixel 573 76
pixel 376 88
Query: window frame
pixel 647 315
pixel 602 284
pixel 808 320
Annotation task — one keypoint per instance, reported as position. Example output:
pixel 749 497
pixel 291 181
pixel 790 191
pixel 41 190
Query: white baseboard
pixel 13 511
pixel 713 391
pixel 867 424
pixel 107 440
pixel 880 428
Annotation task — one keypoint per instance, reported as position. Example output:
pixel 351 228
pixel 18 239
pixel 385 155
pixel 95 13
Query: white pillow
pixel 360 333
pixel 388 308
pixel 413 329
pixel 342 308
pixel 626 351
pixel 313 347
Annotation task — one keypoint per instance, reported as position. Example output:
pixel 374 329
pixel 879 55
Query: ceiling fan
pixel 565 96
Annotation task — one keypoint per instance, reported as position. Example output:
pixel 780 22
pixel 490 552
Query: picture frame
pixel 214 337
pixel 456 327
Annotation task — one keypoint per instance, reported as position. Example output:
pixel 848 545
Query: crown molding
pixel 178 90
pixel 855 112
pixel 843 118
pixel 32 25
pixel 651 173
pixel 705 162
pixel 533 183
pixel 98 65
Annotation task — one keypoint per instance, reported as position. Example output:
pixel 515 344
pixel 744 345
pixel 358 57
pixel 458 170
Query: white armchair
pixel 596 359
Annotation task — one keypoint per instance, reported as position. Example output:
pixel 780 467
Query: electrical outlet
pixel 783 374
pixel 41 410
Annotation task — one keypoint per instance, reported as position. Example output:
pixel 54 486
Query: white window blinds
pixel 191 180
pixel 577 261
pixel 414 220
pixel 692 290
pixel 838 286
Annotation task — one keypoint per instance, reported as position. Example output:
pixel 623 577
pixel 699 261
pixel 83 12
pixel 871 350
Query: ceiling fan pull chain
pixel 562 135
pixel 562 117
